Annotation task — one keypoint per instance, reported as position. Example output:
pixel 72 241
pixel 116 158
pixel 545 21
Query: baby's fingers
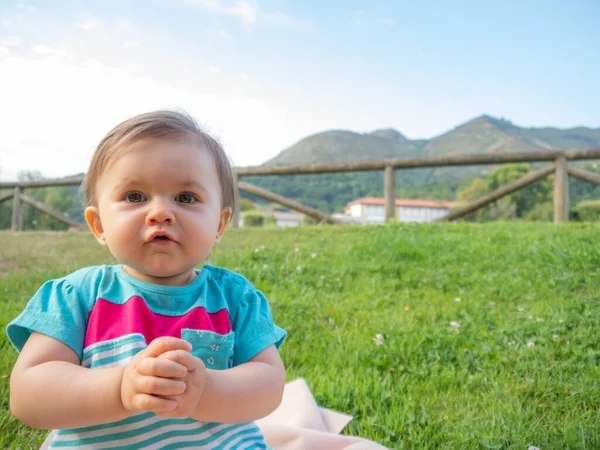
pixel 160 386
pixel 181 357
pixel 164 368
pixel 150 403
pixel 165 344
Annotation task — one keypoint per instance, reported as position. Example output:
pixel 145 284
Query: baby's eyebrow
pixel 194 184
pixel 126 182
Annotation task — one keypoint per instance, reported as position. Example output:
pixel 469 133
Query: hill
pixel 481 135
pixel 484 134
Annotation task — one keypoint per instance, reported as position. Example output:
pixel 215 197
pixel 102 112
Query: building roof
pixel 403 202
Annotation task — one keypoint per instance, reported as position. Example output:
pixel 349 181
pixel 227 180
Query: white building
pixel 372 210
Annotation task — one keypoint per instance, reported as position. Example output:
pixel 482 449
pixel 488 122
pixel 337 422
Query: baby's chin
pixel 162 276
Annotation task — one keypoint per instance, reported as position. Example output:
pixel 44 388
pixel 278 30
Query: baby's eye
pixel 185 197
pixel 134 197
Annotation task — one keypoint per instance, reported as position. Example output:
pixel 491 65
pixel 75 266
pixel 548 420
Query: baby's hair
pixel 158 124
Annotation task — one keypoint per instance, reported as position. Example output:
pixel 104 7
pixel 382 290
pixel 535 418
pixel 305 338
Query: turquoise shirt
pixel 106 317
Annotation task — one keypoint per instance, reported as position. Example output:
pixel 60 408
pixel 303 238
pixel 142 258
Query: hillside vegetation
pixel 489 334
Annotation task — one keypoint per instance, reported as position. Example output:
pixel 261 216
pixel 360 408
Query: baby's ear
pixel 92 218
pixel 226 214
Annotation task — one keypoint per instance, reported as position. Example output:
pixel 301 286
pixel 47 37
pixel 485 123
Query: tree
pixel 247 205
pixel 516 205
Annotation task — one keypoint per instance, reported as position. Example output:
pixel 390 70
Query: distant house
pixel 280 219
pixel 288 219
pixel 372 210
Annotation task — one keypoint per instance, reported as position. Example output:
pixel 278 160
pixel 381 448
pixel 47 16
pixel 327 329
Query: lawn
pixel 489 334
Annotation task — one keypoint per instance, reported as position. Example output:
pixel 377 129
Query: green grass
pixel 429 385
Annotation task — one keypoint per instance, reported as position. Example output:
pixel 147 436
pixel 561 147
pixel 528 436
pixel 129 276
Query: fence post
pixel 236 213
pixel 17 212
pixel 561 191
pixel 389 188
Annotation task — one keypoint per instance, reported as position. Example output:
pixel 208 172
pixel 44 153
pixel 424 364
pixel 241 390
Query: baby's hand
pixel 195 381
pixel 148 380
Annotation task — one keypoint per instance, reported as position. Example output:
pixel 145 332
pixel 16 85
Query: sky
pixel 260 75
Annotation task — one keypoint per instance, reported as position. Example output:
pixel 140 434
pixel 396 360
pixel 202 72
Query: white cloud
pixel 11 41
pixel 208 4
pixel 279 19
pixel 360 17
pixel 213 69
pixel 244 10
pixel 125 23
pixel 386 21
pixel 220 33
pixel 43 49
pixel 7 23
pixel 89 24
pixel 56 112
pixel 54 53
pixel 241 8
pixel 21 5
pixel 249 13
pixel 132 44
pixel 3 50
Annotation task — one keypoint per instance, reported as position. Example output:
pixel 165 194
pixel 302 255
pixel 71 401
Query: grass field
pixel 490 334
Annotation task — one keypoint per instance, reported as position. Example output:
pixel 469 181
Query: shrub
pixel 542 212
pixel 247 205
pixel 587 211
pixel 253 219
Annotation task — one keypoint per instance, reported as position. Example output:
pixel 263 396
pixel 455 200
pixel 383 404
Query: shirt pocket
pixel 215 350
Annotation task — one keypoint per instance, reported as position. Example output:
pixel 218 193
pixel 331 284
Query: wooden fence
pixel 558 166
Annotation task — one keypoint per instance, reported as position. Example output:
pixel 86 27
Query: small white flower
pixel 455 325
pixel 214 347
pixel 210 360
pixel 299 268
pixel 520 308
pixel 457 300
pixel 330 321
pixel 491 303
pixel 322 277
pixel 256 250
pixel 296 249
pixel 533 447
pixel 314 255
pixel 406 308
pixel 262 247
pixel 531 344
pixel 511 342
pixel 530 317
pixel 556 337
pixel 539 319
pixel 560 321
pixel 265 266
pixel 237 269
pixel 378 339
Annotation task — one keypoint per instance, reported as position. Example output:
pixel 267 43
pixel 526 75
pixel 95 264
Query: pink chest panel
pixel 109 321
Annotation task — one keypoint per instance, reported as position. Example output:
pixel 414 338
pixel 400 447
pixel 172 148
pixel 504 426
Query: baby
pixel 151 353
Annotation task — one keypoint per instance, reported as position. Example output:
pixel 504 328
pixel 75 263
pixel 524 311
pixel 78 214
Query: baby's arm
pixel 49 389
pixel 243 393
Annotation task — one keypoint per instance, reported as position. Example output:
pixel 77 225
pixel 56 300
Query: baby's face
pixel 159 204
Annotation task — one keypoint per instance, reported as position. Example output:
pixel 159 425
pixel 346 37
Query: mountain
pixel 484 134
pixel 340 145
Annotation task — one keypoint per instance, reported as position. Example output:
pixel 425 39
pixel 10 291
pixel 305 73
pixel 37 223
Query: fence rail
pixel 559 168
